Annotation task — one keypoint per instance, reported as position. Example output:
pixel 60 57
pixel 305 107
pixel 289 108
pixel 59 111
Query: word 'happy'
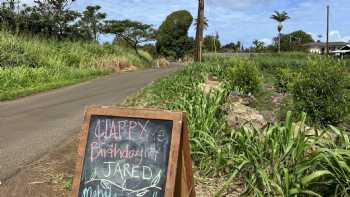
pixel 114 129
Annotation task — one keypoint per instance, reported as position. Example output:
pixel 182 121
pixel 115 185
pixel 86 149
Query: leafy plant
pixel 321 91
pixel 285 78
pixel 283 159
pixel 245 75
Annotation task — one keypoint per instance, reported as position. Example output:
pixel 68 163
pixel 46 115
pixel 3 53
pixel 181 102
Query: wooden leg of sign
pixel 184 178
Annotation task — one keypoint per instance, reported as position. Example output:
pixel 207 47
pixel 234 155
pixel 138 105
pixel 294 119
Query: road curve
pixel 32 126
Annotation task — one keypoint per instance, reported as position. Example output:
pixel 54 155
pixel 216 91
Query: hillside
pixel 32 64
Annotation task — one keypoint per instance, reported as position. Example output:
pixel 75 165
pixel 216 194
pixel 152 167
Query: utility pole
pixel 199 33
pixel 327 42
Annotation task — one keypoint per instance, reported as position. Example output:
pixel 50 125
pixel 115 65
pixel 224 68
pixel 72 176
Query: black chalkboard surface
pixel 125 157
pixel 133 153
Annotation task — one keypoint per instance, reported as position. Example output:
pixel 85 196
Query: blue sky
pixel 234 20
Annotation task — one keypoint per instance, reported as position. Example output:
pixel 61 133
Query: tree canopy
pixel 133 33
pixel 211 43
pixel 280 17
pixel 172 39
pixel 91 22
pixel 294 41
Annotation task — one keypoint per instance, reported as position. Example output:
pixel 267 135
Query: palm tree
pixel 199 33
pixel 280 17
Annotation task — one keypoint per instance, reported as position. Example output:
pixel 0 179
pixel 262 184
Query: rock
pixel 269 116
pixel 248 100
pixel 210 85
pixel 239 114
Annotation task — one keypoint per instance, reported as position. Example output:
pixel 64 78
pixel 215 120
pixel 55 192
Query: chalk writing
pixel 125 157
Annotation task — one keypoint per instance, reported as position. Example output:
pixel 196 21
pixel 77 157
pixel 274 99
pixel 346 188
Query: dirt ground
pixel 51 176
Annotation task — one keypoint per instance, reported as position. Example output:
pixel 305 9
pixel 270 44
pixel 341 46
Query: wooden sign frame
pixel 179 179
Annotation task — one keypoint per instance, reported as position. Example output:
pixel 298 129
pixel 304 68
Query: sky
pixel 237 20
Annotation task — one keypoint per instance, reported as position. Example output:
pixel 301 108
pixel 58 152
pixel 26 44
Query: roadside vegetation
pixel 33 64
pixel 297 155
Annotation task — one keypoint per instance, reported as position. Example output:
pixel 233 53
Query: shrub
pixel 285 78
pixel 321 91
pixel 245 75
pixel 172 39
pixel 12 55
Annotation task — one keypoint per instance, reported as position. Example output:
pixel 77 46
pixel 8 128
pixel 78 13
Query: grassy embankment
pixel 31 64
pixel 283 159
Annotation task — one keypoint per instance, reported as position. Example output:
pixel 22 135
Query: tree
pixel 51 18
pixel 8 15
pixel 56 16
pixel 172 38
pixel 234 46
pixel 199 31
pixel 91 21
pixel 238 45
pixel 133 33
pixel 258 45
pixel 211 43
pixel 280 17
pixel 294 41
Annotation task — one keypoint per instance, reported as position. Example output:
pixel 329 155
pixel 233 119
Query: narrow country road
pixel 32 126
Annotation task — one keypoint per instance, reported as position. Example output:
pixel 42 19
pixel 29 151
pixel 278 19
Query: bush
pixel 285 78
pixel 321 91
pixel 172 39
pixel 245 75
pixel 283 159
pixel 12 55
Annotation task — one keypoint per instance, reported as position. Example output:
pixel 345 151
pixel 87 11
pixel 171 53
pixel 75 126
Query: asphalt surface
pixel 35 125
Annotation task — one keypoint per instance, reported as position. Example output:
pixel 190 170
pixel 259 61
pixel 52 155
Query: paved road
pixel 32 126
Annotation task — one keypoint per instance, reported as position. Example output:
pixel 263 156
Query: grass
pixel 29 64
pixel 286 158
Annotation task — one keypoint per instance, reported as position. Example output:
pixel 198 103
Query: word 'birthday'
pixel 113 151
pixel 113 129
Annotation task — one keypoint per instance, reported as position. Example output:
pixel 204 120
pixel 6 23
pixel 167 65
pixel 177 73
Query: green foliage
pixel 272 62
pixel 14 55
pixel 283 159
pixel 234 46
pixel 29 65
pixel 67 182
pixel 244 75
pixel 284 79
pixel 211 43
pixel 280 16
pixel 258 46
pixel 321 91
pixel 91 22
pixel 294 41
pixel 172 39
pixel 132 33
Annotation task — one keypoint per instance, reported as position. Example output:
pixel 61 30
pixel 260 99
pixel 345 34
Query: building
pixel 320 47
pixel 342 52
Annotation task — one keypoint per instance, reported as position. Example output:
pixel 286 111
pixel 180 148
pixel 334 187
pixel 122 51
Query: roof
pixel 347 47
pixel 340 51
pixel 322 44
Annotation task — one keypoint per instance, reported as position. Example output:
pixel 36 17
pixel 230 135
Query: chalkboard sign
pixel 128 152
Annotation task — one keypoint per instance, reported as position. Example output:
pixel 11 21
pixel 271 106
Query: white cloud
pixel 267 41
pixel 336 36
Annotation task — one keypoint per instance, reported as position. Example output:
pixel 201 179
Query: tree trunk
pixel 199 33
pixel 279 42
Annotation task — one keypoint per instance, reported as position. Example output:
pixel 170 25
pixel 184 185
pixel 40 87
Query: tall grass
pixel 32 64
pixel 283 159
